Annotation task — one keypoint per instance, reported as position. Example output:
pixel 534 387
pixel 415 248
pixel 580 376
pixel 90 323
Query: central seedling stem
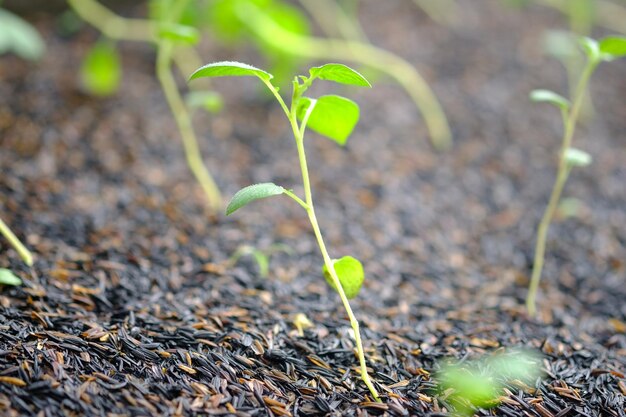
pixel 309 207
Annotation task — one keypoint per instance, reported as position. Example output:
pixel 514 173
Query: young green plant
pixel 332 116
pixel 101 73
pixel 607 49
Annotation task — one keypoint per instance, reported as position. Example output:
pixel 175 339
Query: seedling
pixel 100 73
pixel 332 116
pixel 24 253
pixel 608 49
pixel 262 257
pixel 7 277
pixel 480 384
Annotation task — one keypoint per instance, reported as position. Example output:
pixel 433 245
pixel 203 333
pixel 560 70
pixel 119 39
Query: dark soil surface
pixel 133 309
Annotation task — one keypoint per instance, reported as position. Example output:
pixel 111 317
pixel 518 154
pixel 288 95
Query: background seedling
pixel 174 41
pixel 262 257
pixel 24 253
pixel 607 49
pixel 480 383
pixel 335 118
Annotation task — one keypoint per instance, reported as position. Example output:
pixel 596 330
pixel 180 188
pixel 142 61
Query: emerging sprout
pixel 332 116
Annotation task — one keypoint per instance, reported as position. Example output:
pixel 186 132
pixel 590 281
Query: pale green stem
pixel 183 120
pixel 298 132
pixel 363 53
pixel 555 196
pixel 24 253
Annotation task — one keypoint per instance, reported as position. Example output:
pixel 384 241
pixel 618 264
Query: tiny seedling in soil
pixel 480 384
pixel 7 277
pixel 605 50
pixel 24 253
pixel 262 257
pixel 334 117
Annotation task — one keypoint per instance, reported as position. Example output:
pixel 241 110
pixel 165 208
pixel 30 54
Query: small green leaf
pixel 479 390
pixel 208 100
pixel 19 37
pixel 547 96
pixel 100 72
pixel 576 158
pixel 339 73
pixel 230 69
pixel 613 47
pixel 252 192
pixel 350 273
pixel 7 277
pixel 333 116
pixel 591 48
pixel 179 33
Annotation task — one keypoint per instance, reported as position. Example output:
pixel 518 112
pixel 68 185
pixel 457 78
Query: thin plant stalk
pixel 183 118
pixel 24 253
pixel 570 118
pixel 298 132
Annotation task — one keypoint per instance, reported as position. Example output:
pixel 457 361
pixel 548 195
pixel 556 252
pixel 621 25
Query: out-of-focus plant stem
pixel 24 253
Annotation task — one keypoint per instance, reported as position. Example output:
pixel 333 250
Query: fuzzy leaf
pixel 591 48
pixel 333 116
pixel 230 69
pixel 100 72
pixel 7 277
pixel 547 96
pixel 19 37
pixel 339 73
pixel 350 273
pixel 179 33
pixel 252 192
pixel 576 158
pixel 613 47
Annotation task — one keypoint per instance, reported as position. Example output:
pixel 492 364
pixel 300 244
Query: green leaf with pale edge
pixel 179 33
pixel 230 69
pixel 100 72
pixel 350 273
pixel 577 158
pixel 339 73
pixel 591 48
pixel 613 47
pixel 333 116
pixel 7 277
pixel 19 37
pixel 547 96
pixel 252 192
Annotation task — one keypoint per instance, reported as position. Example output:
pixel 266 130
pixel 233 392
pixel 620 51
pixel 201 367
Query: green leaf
pixel 613 47
pixel 339 73
pixel 547 96
pixel 479 390
pixel 19 37
pixel 179 33
pixel 350 273
pixel 576 158
pixel 252 192
pixel 333 116
pixel 7 277
pixel 100 72
pixel 591 48
pixel 230 69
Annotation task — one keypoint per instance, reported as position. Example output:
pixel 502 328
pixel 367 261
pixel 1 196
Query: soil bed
pixel 132 308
